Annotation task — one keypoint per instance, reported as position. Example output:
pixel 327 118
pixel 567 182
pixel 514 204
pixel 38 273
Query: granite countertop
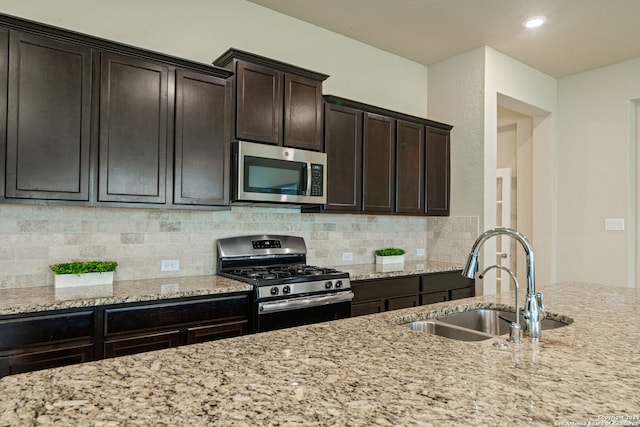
pixel 44 298
pixel 363 371
pixel 409 268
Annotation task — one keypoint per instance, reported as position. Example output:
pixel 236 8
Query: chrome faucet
pixel 514 329
pixel 534 302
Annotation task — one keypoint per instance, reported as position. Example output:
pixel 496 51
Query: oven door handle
pixel 304 302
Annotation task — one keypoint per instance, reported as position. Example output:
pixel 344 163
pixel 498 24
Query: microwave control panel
pixel 317 174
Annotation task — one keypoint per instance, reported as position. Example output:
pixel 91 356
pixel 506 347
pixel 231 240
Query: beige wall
pixel 597 166
pixel 201 30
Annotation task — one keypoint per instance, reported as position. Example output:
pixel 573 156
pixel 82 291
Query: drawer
pixel 215 332
pixel 45 359
pixel 462 293
pixel 157 316
pixel 371 307
pixel 444 281
pixel 51 329
pixel 385 288
pixel 139 344
pixel 434 297
pixel 402 302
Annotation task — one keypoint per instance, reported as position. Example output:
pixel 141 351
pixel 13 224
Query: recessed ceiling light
pixel 534 21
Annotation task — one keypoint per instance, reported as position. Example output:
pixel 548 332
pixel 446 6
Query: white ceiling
pixel 579 35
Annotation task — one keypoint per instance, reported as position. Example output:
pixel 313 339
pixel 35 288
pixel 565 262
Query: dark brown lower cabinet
pixel 58 338
pixel 378 295
pixel 150 342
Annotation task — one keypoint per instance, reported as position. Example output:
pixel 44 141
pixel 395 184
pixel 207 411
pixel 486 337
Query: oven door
pixel 306 310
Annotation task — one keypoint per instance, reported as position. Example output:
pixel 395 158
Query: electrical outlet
pixel 170 265
pixel 347 256
pixel 420 252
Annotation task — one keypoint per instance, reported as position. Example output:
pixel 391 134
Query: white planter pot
pixel 389 263
pixel 86 279
pixel 392 259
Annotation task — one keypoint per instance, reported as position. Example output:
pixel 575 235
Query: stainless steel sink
pixel 495 322
pixel 448 331
pixel 475 325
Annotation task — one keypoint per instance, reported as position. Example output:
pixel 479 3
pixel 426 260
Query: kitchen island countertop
pixel 363 371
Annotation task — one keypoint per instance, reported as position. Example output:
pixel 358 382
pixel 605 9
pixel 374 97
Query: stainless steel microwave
pixel 273 174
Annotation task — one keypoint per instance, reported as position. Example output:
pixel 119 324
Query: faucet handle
pixel 540 299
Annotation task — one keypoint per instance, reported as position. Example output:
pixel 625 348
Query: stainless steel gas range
pixel 288 292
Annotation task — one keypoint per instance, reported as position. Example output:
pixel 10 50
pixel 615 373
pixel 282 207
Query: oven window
pixel 262 175
pixel 303 316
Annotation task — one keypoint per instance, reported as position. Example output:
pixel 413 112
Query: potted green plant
pixel 83 273
pixel 390 256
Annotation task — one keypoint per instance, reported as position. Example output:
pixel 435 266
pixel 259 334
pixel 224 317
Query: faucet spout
pixel 533 309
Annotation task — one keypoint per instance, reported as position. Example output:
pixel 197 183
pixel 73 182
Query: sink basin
pixel 475 325
pixel 448 331
pixel 495 322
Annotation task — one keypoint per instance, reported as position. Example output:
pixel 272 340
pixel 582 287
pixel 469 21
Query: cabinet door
pixel 48 121
pixel 434 297
pixel 370 307
pixel 379 163
pixel 438 172
pixel 45 359
pixel 402 302
pixel 139 344
pixel 302 112
pixel 202 138
pixel 4 73
pixel 343 145
pixel 410 155
pixel 258 103
pixel 133 130
pixel 215 332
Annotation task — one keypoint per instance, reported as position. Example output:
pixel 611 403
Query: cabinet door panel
pixel 4 75
pixel 370 307
pixel 462 293
pixel 49 329
pixel 402 302
pixel 259 103
pixel 202 137
pixel 133 130
pixel 343 145
pixel 434 297
pixel 49 114
pixel 216 332
pixel 438 172
pixel 139 344
pixel 302 113
pixel 410 155
pixel 379 163
pixel 45 359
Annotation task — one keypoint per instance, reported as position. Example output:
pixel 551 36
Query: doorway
pixel 514 191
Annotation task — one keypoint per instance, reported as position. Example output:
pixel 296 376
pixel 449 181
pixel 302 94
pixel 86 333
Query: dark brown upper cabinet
pixel 93 122
pixel 274 102
pixel 343 145
pixel 4 73
pixel 202 139
pixel 438 172
pixel 410 171
pixel 388 167
pixel 378 163
pixel 134 110
pixel 48 117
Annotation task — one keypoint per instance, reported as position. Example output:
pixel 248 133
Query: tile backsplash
pixel 33 237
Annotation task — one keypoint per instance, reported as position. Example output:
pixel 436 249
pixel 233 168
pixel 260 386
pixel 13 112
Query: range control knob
pixel 286 289
pixel 339 284
pixel 275 290
pixel 328 285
